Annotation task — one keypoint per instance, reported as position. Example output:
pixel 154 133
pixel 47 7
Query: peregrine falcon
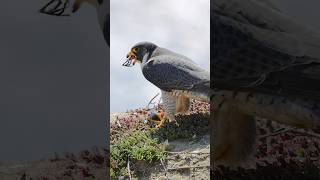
pixel 178 77
pixel 264 65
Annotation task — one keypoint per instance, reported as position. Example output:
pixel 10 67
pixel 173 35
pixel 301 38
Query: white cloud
pixel 180 25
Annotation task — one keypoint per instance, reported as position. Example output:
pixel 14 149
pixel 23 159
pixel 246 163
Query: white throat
pixel 144 59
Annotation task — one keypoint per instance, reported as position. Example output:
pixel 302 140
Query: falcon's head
pixel 140 52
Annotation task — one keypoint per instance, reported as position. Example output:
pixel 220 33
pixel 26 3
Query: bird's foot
pixel 157 118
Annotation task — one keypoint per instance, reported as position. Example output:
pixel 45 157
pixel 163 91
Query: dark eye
pixel 135 49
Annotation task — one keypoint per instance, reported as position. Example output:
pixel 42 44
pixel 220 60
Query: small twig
pixel 306 133
pixel 185 152
pixel 293 130
pixel 128 168
pixel 188 167
pixel 151 101
pixel 279 131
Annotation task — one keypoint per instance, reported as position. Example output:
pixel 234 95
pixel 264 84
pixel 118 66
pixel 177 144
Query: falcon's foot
pixel 160 117
pixel 157 118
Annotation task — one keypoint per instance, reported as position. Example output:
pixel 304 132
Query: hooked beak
pixel 131 59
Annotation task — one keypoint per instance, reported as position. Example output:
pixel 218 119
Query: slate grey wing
pixel 169 72
pixel 253 52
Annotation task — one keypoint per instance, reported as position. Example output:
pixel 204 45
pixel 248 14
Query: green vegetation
pixel 138 146
pixel 134 140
